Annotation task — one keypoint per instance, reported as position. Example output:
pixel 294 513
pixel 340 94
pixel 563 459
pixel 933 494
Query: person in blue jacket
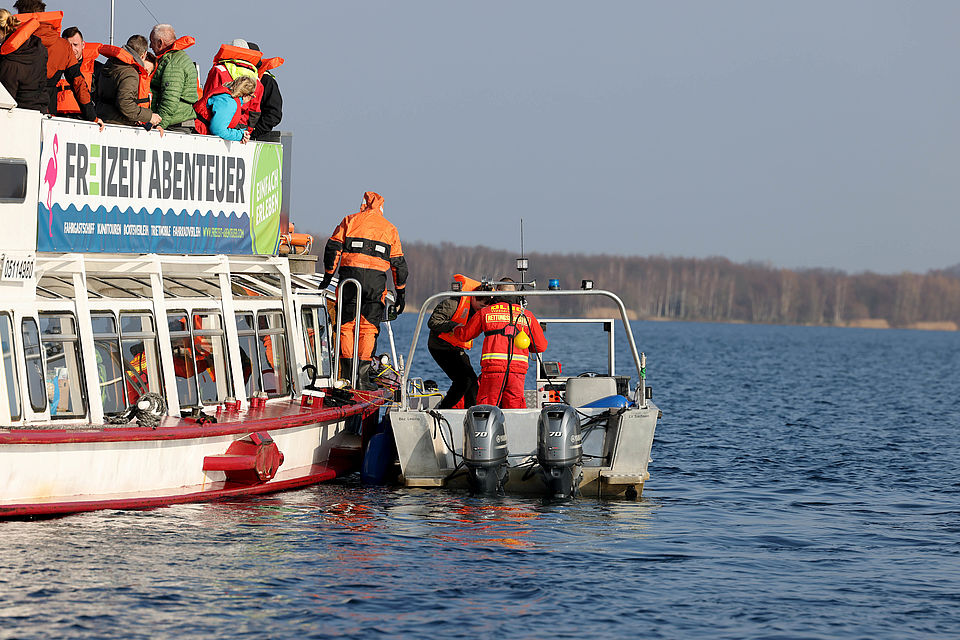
pixel 219 113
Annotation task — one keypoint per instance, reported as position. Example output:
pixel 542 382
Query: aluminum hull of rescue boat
pixel 617 452
pixel 616 439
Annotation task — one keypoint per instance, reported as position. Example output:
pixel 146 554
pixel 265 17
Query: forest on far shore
pixel 708 289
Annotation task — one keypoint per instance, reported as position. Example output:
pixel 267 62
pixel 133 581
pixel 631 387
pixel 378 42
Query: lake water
pixel 805 484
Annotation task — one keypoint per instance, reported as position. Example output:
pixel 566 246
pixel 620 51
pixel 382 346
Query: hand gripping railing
pixel 356 333
pixel 641 374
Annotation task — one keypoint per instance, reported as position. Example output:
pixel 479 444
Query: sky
pixel 807 134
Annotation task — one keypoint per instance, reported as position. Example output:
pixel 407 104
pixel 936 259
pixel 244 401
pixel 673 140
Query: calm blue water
pixel 805 484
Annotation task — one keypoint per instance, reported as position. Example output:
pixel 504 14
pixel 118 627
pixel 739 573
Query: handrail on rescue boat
pixel 517 294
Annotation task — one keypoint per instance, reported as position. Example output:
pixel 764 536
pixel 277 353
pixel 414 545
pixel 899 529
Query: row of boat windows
pixel 129 365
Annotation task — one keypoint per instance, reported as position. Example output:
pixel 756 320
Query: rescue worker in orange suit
pixel 449 352
pixel 510 333
pixel 61 60
pixel 364 246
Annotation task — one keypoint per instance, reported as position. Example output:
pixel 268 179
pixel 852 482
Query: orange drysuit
pixel 365 245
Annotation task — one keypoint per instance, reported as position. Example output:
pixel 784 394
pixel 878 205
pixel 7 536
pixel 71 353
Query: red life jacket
pixel 268 64
pixel 19 37
pixel 202 121
pixel 143 78
pixel 66 101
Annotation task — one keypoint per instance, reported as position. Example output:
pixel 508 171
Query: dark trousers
pixel 463 379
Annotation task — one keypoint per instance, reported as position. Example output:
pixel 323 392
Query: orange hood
pixel 372 200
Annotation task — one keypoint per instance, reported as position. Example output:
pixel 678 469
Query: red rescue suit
pixel 366 245
pixel 503 365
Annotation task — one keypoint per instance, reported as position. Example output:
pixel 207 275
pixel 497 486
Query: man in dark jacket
pixel 23 72
pixel 271 106
pixel 120 101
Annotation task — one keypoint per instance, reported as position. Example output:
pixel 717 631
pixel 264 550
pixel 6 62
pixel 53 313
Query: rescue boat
pixel 156 346
pixel 585 433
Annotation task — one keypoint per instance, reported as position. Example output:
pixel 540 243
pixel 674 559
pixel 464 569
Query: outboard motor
pixel 560 450
pixel 485 448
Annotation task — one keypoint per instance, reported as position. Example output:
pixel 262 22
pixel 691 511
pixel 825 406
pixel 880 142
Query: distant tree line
pixel 710 289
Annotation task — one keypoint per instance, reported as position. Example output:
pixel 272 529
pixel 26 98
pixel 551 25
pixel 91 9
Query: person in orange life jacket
pixel 220 113
pixel 61 60
pixel 90 68
pixel 510 333
pixel 23 62
pixel 271 102
pixel 174 82
pixel 125 85
pixel 364 246
pixel 234 61
pixel 449 352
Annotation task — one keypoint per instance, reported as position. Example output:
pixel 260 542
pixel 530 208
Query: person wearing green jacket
pixel 174 85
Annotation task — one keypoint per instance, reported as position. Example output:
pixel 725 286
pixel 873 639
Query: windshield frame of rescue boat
pixel 522 293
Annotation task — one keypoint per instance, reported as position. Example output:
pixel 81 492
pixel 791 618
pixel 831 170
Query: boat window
pixel 274 357
pixel 110 365
pixel 33 359
pixel 249 353
pixel 210 344
pixel 13 180
pixel 63 373
pixel 181 342
pixel 139 351
pixel 10 366
pixel 315 338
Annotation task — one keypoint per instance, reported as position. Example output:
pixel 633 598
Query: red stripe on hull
pixel 290 479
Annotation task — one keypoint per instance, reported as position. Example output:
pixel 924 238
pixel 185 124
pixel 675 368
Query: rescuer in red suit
pixel 510 333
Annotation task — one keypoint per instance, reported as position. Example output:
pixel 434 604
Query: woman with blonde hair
pixel 23 62
pixel 219 112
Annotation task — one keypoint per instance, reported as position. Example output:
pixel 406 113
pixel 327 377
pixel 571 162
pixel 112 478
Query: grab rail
pixel 356 334
pixel 485 294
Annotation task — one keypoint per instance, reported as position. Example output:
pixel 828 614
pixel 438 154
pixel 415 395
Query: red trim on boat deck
pixel 289 479
pixel 272 417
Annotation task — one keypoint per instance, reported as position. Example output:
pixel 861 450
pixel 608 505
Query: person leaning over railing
pixel 220 113
pixel 174 83
pixel 125 85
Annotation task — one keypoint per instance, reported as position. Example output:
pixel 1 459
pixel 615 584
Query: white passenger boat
pixel 588 433
pixel 152 338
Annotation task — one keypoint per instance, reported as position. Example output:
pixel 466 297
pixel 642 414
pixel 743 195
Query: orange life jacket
pixel 230 52
pixel 121 54
pixel 53 17
pixel 462 312
pixel 19 37
pixel 181 43
pixel 268 64
pixel 66 101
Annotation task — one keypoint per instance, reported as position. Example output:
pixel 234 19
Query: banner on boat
pixel 126 190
